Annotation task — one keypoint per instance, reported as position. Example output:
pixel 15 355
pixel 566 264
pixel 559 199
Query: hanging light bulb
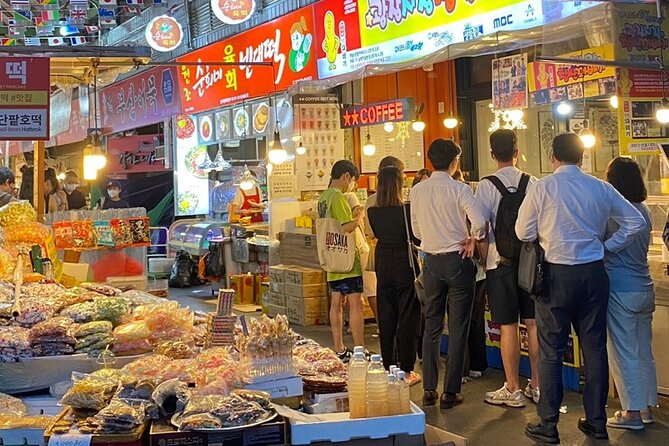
pixel 94 159
pixel 451 122
pixel 247 180
pixel 587 137
pixel 613 100
pixel 564 108
pixel 277 154
pixel 300 150
pixel 369 149
pixel 662 113
pixel 388 127
pixel 418 125
pixel 516 114
pixel 61 176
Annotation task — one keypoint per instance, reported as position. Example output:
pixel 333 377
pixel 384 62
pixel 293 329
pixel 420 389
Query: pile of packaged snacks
pixel 89 392
pixel 13 415
pixel 17 213
pixel 132 338
pixel 238 409
pixel 267 338
pixel 82 312
pixel 101 288
pixel 53 337
pixel 14 344
pixel 93 337
pixel 114 309
pixel 311 359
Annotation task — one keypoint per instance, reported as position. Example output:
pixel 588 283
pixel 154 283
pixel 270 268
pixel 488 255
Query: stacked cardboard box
pixel 306 296
pixel 248 288
pixel 276 299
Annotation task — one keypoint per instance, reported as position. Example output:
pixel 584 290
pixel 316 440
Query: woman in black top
pixel 399 309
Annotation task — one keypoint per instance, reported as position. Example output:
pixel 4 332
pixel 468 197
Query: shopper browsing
pixel 55 199
pixel 631 306
pixel 439 210
pixel 568 212
pixel 399 309
pixel 75 198
pixel 7 180
pixel 500 196
pixel 344 286
pixel 113 199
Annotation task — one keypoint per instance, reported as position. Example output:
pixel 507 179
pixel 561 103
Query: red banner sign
pixel 378 113
pixel 132 154
pixel 25 91
pixel 286 42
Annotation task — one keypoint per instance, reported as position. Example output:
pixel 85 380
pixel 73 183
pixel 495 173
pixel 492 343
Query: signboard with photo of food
pixel 205 129
pixel 241 124
pixel 223 126
pixel 261 116
pixel 191 185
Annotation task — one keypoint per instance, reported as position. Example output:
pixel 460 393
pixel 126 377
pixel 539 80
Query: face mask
pixel 70 187
pixel 113 193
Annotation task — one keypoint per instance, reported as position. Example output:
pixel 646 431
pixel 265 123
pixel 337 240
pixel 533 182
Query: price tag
pixel 70 440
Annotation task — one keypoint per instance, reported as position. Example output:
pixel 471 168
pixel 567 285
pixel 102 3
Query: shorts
pixel 350 285
pixel 507 302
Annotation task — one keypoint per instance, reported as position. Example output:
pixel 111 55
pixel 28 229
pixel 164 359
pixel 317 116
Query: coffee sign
pixel 397 110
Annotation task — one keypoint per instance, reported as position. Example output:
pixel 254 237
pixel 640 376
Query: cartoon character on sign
pixel 331 42
pixel 300 41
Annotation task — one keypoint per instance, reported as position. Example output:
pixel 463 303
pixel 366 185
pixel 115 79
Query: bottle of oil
pixel 403 393
pixel 357 372
pixel 376 388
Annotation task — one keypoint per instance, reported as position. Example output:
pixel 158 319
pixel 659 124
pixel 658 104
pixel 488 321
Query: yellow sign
pixel 543 75
pixel 381 21
pixel 639 34
pixel 24 98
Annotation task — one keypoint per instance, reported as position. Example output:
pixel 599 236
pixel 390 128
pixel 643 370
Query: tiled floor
pixel 483 424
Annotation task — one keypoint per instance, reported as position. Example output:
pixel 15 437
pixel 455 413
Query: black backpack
pixel 508 245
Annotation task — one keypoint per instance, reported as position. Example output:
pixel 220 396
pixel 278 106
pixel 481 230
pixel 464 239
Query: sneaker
pixel 532 393
pixel 647 416
pixel 620 421
pixel 345 356
pixel 504 397
pixel 413 378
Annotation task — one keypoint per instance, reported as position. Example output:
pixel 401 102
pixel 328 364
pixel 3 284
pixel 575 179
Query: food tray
pixel 175 422
pixel 129 437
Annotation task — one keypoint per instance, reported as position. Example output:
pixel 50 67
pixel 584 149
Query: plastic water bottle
pixel 392 369
pixel 357 373
pixel 376 388
pixel 393 396
pixel 403 393
pixel 358 349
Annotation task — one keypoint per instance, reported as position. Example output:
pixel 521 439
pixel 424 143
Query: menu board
pixel 191 185
pixel 403 142
pixel 323 139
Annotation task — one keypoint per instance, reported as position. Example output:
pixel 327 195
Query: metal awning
pixel 73 66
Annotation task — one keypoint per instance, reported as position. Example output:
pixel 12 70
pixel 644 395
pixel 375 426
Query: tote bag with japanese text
pixel 336 248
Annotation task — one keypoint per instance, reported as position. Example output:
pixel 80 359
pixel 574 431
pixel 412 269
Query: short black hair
pixel 6 175
pixel 71 174
pixel 443 152
pixel 503 144
pixel 343 167
pixel 391 161
pixel 568 148
pixel 625 175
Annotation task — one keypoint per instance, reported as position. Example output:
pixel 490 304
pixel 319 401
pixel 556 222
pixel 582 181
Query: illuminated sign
pixel 378 113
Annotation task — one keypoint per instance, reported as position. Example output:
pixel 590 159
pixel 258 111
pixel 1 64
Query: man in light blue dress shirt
pixel 567 212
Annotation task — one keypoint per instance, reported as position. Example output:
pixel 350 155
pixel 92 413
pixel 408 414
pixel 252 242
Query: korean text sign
pixel 24 98
pixel 145 99
pixel 287 43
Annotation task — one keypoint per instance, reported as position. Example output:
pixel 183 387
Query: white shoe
pixel 532 393
pixel 619 421
pixel 504 397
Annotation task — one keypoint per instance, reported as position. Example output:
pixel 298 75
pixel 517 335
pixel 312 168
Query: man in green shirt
pixel 344 287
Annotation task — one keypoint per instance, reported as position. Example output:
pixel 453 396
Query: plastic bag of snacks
pixel 103 230
pixel 17 213
pixel 139 227
pixel 113 309
pixel 11 406
pixel 119 416
pixel 89 392
pixel 63 234
pixel 81 313
pixel 101 288
pixel 83 234
pixel 166 321
pixel 30 232
pixel 132 339
pixel 138 298
pixel 35 310
pixel 148 368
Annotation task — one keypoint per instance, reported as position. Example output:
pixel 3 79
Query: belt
pixel 506 261
pixel 443 254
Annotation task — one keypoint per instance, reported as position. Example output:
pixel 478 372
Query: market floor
pixel 481 423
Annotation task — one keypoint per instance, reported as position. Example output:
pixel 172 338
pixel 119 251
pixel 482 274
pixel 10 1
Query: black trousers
pixel 449 282
pixel 575 295
pixel 477 357
pixel 398 308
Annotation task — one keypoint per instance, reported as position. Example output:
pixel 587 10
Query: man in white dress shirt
pixel 507 302
pixel 439 210
pixel 567 213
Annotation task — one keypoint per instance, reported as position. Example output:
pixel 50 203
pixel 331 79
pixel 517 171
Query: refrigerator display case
pixel 193 235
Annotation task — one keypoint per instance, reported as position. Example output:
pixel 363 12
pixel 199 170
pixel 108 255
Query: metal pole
pixel 38 179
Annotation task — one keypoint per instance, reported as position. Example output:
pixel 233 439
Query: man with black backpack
pixel 500 196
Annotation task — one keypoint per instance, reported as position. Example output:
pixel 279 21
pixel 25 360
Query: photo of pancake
pixel 260 117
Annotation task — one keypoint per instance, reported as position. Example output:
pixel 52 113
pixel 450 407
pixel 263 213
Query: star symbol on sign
pixel 355 115
pixel 369 19
pixel 347 119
